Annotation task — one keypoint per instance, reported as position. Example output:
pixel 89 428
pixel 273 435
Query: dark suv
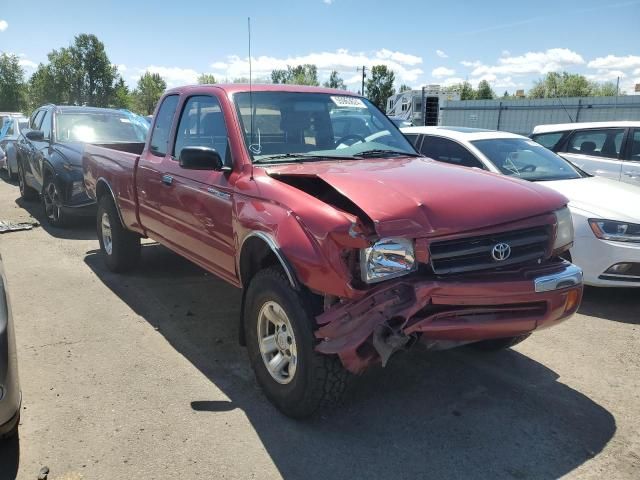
pixel 50 154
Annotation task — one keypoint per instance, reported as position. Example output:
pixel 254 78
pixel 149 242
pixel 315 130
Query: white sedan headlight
pixel 615 230
pixel 564 232
pixel 387 258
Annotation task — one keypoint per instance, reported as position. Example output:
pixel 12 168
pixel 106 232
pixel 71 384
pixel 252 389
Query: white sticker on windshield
pixel 532 143
pixel 125 120
pixel 353 102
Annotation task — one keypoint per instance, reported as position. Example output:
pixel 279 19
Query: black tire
pixel 13 176
pixel 52 202
pixel 123 253
pixel 499 343
pixel 319 380
pixel 13 431
pixel 26 192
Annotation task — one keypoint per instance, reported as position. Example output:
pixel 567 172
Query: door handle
pixel 167 179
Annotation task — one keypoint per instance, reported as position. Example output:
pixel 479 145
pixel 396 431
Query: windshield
pixel 100 128
pixel 284 125
pixel 526 159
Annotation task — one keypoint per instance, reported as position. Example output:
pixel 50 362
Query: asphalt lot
pixel 141 376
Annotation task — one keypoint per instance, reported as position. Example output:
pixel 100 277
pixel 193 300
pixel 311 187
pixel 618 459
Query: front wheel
pixel 52 202
pixel 496 344
pixel 120 247
pixel 279 324
pixel 26 192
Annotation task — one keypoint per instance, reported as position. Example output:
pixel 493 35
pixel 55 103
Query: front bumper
pixel 88 209
pixel 596 256
pixel 449 311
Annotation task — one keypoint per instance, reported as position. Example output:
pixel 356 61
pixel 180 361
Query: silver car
pixel 605 149
pixel 10 396
pixel 9 134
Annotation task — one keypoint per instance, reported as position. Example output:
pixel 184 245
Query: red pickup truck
pixel 348 245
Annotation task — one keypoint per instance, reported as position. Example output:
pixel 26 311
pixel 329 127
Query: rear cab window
pixel 159 142
pixel 605 142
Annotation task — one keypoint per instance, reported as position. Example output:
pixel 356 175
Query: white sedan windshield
pixel 526 159
pixel 281 125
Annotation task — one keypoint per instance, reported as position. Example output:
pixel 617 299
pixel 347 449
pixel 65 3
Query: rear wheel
pixel 279 324
pixel 120 247
pixel 26 192
pixel 52 202
pixel 499 343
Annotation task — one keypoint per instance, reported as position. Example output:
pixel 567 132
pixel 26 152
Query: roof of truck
pixel 258 87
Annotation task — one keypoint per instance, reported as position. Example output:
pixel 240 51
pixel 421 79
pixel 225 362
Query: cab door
pixel 191 210
pixel 631 161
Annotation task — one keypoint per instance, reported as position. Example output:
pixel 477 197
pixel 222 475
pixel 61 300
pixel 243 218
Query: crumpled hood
pixel 421 197
pixel 601 197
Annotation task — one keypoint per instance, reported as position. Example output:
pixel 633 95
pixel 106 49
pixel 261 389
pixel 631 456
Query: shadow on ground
pixel 456 414
pixel 617 304
pixel 9 458
pixel 79 228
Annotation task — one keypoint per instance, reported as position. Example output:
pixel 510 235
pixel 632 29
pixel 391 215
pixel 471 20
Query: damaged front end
pixel 445 313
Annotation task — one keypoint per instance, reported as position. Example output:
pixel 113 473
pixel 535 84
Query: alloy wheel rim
pixel 21 179
pixel 51 201
pixel 277 342
pixel 107 239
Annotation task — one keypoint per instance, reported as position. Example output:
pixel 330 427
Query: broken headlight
pixel 387 258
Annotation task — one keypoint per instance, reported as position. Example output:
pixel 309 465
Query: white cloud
pixel 3 25
pixel 614 62
pixel 174 76
pixel 505 53
pixel 441 54
pixel 467 63
pixel 122 67
pixel 447 82
pixel 328 2
pixel 441 72
pixel 532 62
pixel 26 63
pixel 404 65
pixel 606 75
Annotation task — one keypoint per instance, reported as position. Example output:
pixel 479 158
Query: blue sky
pixel 507 43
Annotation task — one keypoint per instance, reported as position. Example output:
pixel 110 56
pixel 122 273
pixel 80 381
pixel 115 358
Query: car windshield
pixel 282 126
pixel 100 128
pixel 526 159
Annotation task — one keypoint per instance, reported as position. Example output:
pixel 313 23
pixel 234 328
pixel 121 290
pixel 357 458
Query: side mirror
pixel 202 158
pixel 35 135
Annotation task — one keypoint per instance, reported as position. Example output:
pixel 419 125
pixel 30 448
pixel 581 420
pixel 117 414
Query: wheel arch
pixel 103 188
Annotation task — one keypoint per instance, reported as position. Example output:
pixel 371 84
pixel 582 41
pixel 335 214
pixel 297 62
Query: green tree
pixel 465 89
pixel 207 79
pixel 150 88
pixel 121 95
pixel 606 89
pixel 404 88
pixel 12 85
pixel 279 76
pixel 335 81
pixel 565 84
pixel 306 74
pixel 380 85
pixel 485 92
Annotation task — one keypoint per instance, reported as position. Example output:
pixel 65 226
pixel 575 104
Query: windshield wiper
pixel 384 153
pixel 300 157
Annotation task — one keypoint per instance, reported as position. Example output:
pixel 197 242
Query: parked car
pixel 606 213
pixel 10 395
pixel 50 154
pixel 9 134
pixel 347 249
pixel 605 149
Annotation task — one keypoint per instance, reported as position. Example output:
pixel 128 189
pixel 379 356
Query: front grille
pixel 474 253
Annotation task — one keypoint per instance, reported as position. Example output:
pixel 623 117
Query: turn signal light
pixel 572 301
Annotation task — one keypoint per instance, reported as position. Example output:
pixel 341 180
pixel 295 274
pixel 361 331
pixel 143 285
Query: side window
pixel 448 151
pixel 598 143
pixel 548 140
pixel 413 138
pixel 634 153
pixel 159 142
pixel 37 120
pixel 46 125
pixel 10 129
pixel 201 125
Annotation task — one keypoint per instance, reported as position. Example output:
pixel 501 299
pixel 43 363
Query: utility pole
pixel 615 107
pixel 364 74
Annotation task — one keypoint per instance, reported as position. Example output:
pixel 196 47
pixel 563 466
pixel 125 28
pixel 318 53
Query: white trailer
pixel 408 105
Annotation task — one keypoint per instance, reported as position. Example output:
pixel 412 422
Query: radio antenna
pixel 250 80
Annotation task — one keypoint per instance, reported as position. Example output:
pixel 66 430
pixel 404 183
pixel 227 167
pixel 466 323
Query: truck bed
pixel 114 165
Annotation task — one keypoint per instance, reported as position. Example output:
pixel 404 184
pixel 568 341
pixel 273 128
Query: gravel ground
pixel 141 376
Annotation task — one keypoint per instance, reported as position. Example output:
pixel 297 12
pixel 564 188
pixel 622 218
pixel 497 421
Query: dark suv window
pixel 606 142
pixel 634 154
pixel 46 125
pixel 448 151
pixel 36 120
pixel 160 136
pixel 201 125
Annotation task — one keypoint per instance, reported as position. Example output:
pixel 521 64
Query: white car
pixel 606 213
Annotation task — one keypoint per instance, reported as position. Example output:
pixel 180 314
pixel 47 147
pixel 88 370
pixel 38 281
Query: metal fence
pixel 520 116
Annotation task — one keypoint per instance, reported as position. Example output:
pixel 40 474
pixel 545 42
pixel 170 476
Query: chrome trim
pixel 571 276
pixel 278 253
pixel 217 193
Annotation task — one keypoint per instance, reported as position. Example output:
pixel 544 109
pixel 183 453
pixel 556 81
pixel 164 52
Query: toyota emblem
pixel 500 252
